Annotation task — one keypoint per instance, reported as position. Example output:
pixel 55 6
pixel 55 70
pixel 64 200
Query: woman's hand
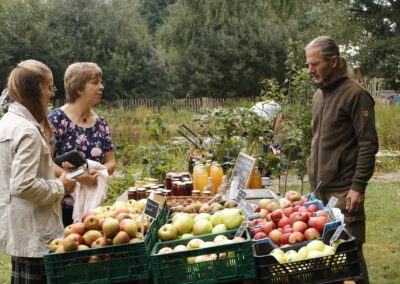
pixel 89 178
pixel 69 184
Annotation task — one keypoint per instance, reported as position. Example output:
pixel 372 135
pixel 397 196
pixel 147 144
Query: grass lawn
pixel 382 250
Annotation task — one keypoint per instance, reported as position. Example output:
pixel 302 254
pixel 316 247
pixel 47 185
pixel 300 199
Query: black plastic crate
pixel 344 264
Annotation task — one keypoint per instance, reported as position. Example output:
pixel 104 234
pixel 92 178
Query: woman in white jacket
pixel 30 195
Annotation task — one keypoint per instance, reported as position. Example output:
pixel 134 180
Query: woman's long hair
pixel 25 86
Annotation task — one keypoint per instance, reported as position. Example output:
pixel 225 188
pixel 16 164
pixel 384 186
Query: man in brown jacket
pixel 344 140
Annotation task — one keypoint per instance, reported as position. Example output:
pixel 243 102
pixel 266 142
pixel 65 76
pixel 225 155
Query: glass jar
pixel 255 180
pixel 132 193
pixel 195 192
pixel 216 175
pixel 181 188
pixel 141 193
pixel 189 188
pixel 168 181
pixel 174 188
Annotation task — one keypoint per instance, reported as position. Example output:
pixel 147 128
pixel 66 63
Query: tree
pixel 380 54
pixel 221 47
pixel 154 12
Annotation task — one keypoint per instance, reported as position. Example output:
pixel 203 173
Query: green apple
pixel 202 227
pixel 183 224
pixel 314 253
pixel 315 245
pixel 194 243
pixel 219 229
pixel 186 236
pixel 220 239
pixel 216 218
pixel 280 258
pixel 232 218
pixel 167 232
pixel 303 252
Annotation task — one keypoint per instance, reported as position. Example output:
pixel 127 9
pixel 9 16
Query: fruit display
pixel 211 258
pixel 314 262
pixel 102 261
pixel 185 225
pixel 290 220
pixel 110 225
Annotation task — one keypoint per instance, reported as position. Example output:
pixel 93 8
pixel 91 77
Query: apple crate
pixel 344 264
pixel 110 264
pixel 174 268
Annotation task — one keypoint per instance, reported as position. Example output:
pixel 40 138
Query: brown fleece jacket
pixel 344 140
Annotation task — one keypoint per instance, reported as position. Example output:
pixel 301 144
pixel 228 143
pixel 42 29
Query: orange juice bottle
pixel 216 173
pixel 255 181
pixel 195 174
pixel 202 178
pixel 208 166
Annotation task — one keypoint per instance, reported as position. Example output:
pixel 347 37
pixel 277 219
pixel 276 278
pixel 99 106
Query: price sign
pixel 337 233
pixel 331 217
pixel 233 191
pixel 214 198
pixel 332 202
pixel 243 169
pixel 241 229
pixel 240 196
pixel 151 208
pixel 248 209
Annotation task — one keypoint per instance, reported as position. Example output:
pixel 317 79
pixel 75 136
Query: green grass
pixel 387 117
pixel 382 249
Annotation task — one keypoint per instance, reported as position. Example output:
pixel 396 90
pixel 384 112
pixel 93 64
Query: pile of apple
pixel 198 207
pixel 313 249
pixel 185 225
pixel 288 221
pixel 104 226
pixel 198 243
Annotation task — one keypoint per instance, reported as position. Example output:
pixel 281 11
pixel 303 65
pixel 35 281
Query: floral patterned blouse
pixel 91 142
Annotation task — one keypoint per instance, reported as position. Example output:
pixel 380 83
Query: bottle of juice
pixel 195 174
pixel 208 166
pixel 224 185
pixel 255 181
pixel 209 187
pixel 216 173
pixel 202 178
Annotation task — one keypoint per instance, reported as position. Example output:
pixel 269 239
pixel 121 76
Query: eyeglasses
pixel 53 88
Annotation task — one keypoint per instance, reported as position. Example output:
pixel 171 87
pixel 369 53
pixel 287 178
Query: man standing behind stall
pixel 344 140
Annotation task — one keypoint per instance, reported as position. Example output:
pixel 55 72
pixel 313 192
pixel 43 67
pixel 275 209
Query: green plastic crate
pixel 173 267
pixel 126 262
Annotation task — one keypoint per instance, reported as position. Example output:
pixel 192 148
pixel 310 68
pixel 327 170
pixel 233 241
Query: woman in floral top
pixel 76 126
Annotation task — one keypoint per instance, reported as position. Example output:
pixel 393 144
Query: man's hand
pixel 354 201
pixel 69 184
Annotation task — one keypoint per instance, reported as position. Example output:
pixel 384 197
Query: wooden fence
pixel 191 104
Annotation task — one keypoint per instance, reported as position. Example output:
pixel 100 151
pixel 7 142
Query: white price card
pixel 332 202
pixel 241 195
pixel 248 209
pixel 218 195
pixel 337 233
pixel 233 191
pixel 241 229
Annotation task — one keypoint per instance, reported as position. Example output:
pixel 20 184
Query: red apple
pixel 285 238
pixel 321 213
pixel 268 227
pixel 312 208
pixel 285 203
pixel 318 223
pixel 110 228
pixel 301 216
pixel 91 222
pixel 90 236
pixel 272 206
pixel 128 226
pixel 287 211
pixel 298 202
pixel 121 238
pixel 259 235
pixel 254 231
pixel 283 222
pixel 276 215
pixel 72 241
pixel 296 237
pixel 275 236
pixel 55 244
pixel 100 242
pixel 287 229
pixel 293 195
pixel 311 234
pixel 299 226
pixel 303 209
